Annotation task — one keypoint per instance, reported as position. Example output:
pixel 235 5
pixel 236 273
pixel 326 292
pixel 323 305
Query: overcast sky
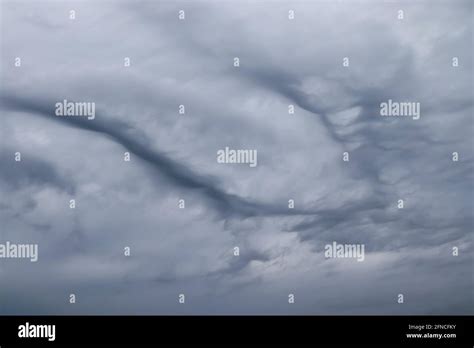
pixel 408 251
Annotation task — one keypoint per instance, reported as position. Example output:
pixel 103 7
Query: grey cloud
pixel 300 157
pixel 227 204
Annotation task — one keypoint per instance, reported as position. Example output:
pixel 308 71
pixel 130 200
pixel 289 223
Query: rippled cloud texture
pixel 190 62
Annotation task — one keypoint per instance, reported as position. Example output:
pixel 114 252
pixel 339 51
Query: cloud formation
pixel 300 157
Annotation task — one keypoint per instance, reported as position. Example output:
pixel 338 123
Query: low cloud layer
pixel 190 251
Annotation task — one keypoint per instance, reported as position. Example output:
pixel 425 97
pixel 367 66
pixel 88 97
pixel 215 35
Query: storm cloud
pixel 403 56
